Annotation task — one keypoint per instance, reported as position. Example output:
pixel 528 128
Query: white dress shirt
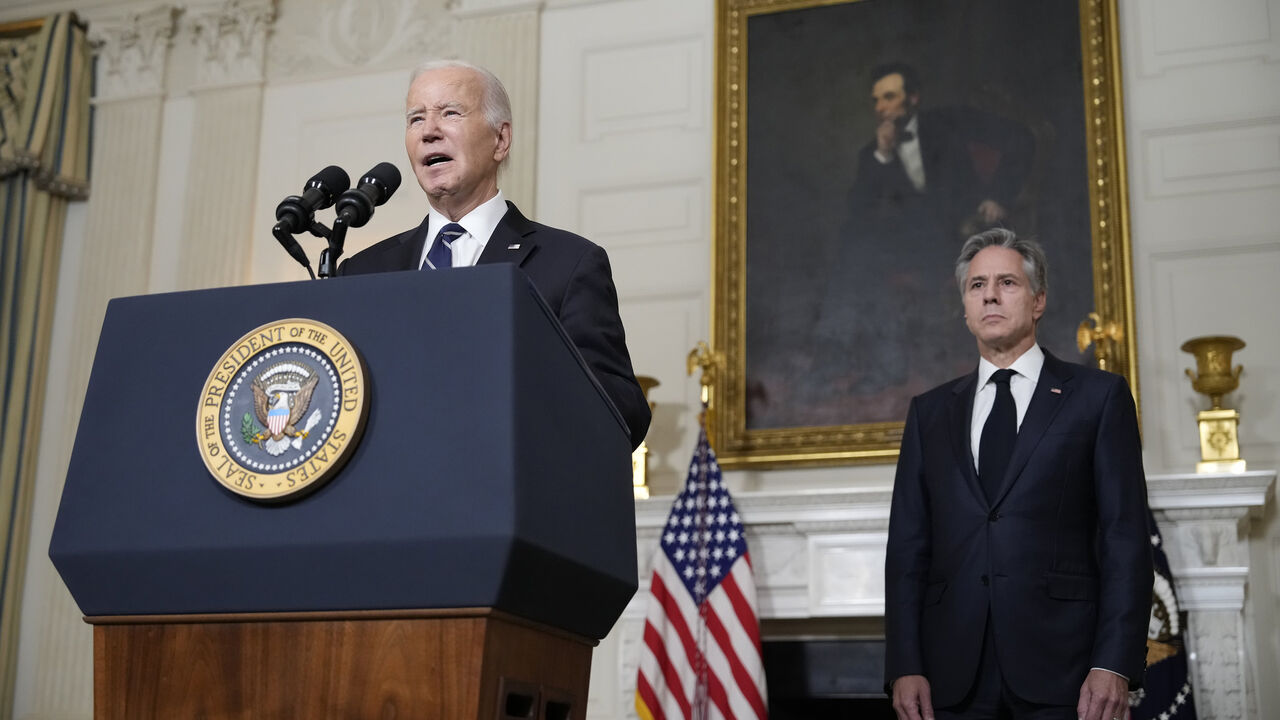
pixel 1026 373
pixel 479 225
pixel 909 152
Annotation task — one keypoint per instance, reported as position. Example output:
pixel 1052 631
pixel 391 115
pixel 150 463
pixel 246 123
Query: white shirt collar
pixel 913 125
pixel 1028 365
pixel 479 223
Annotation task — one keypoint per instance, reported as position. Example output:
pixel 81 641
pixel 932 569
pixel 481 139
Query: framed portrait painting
pixel 859 143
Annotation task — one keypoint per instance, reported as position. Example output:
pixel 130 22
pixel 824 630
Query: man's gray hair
pixel 494 102
pixel 1034 263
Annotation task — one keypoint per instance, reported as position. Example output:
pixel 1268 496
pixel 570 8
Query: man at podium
pixel 457 135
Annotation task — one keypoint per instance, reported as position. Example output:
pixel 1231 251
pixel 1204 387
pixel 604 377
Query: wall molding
pixel 1254 35
pixel 647 214
pixel 1212 157
pixel 230 37
pixel 132 45
pixel 482 8
pixel 653 96
pixel 342 37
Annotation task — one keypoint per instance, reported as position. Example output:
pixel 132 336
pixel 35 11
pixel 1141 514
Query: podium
pixel 477 543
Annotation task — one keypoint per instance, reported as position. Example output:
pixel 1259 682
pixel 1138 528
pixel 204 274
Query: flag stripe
pixel 723 636
pixel 668 675
pixel 647 705
pixel 715 691
pixel 734 705
pixel 737 609
pixel 679 676
pixel 744 600
pixel 676 614
pixel 722 663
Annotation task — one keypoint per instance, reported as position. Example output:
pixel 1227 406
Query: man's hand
pixel 912 699
pixel 1104 696
pixel 887 138
pixel 991 212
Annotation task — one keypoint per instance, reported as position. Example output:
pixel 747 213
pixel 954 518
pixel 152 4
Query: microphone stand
pixel 291 245
pixel 337 237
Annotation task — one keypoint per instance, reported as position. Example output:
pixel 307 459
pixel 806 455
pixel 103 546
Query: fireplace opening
pixel 825 678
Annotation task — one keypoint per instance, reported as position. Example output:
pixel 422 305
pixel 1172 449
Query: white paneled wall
pixel 624 158
pixel 1203 113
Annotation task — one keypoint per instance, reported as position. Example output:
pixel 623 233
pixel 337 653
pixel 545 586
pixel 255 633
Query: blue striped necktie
pixel 440 255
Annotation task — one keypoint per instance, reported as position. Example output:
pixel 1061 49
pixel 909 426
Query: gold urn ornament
pixel 1219 426
pixel 640 456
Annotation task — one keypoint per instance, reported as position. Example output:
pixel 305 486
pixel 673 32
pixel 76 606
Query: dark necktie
pixel 440 256
pixel 998 436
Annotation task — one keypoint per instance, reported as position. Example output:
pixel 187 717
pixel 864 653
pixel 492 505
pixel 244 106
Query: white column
pixel 106 255
pixel 217 225
pixel 502 35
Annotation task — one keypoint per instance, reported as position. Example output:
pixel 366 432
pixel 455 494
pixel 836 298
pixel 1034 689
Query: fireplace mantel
pixel 820 554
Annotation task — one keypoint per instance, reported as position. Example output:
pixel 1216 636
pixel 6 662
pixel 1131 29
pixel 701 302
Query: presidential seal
pixel 282 410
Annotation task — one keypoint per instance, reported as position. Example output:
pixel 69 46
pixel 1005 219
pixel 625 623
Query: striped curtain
pixel 45 77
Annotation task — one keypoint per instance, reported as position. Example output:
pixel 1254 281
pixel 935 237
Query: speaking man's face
pixel 454 151
pixel 891 101
pixel 999 307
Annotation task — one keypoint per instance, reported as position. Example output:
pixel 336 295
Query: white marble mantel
pixel 1223 545
pixel 820 554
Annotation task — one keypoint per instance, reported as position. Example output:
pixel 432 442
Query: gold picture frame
pixel 792 81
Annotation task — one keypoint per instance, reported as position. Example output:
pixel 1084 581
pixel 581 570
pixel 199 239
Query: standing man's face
pixel 891 101
pixel 454 151
pixel 999 307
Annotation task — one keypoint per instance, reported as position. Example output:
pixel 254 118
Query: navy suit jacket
pixel 1060 562
pixel 573 276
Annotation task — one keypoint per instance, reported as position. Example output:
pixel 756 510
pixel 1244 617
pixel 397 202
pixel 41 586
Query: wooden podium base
pixel 401 665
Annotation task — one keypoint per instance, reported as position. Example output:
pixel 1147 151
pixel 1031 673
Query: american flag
pixel 700 655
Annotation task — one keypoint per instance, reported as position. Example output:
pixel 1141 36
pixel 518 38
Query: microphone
pixel 297 213
pixel 355 206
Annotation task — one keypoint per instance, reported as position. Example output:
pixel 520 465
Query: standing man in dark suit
pixel 457 134
pixel 1018 573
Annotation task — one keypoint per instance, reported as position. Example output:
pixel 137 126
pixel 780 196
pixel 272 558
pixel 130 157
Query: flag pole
pixel 704 359
pixel 701 654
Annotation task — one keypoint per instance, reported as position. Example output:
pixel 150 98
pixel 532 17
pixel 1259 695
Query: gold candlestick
pixel 1102 336
pixel 640 456
pixel 1219 426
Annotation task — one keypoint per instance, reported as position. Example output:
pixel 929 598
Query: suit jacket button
pixel 985 581
pixel 994 516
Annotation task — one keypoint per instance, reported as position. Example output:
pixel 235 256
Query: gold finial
pixel 710 362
